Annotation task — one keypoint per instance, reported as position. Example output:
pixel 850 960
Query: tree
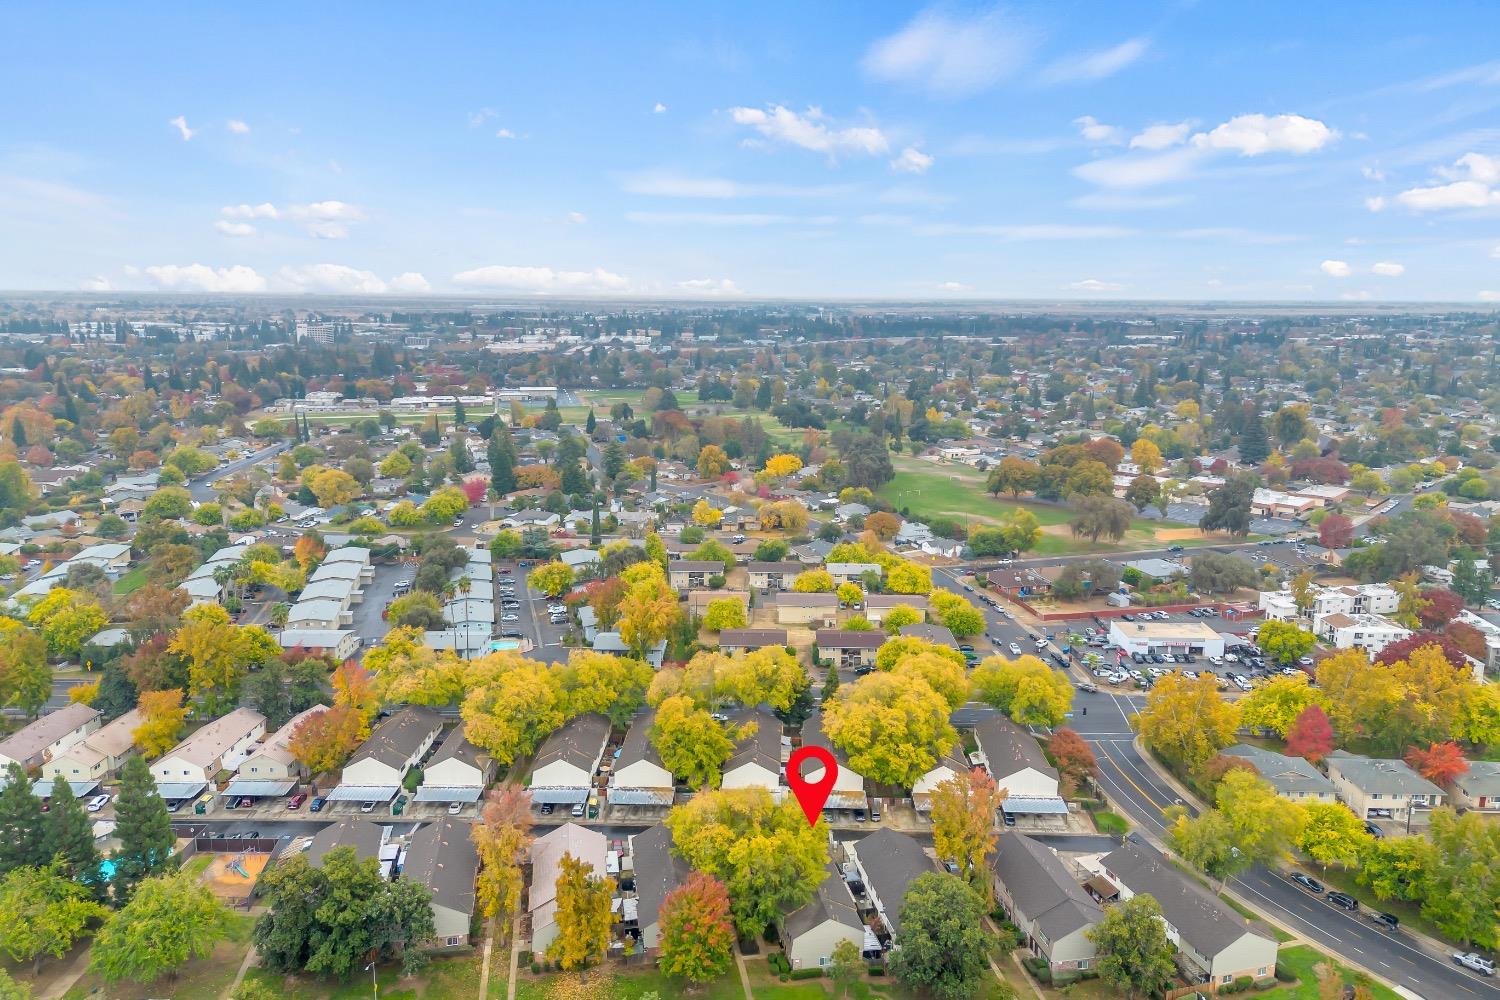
pixel 582 915
pixel 712 462
pixel 1468 582
pixel 883 525
pixel 726 612
pixel 1100 516
pixel 845 966
pixel 1277 702
pixel 1143 491
pixel 1439 607
pixel 45 914
pixel 323 741
pixel 333 487
pixel 813 581
pixel 613 686
pixel 66 618
pixel 1186 719
pixel 1229 505
pixel 502 839
pixel 25 676
pixel 768 857
pixel 706 514
pixel 714 550
pixel 649 609
pixel 1284 641
pixel 957 614
pixel 1026 689
pixel 68 833
pixel 1332 834
pixel 168 921
pixel 214 648
pixel 1073 757
pixel 1134 955
pixel 692 746
pixel 899 617
pixel 1217 573
pixel 1206 842
pixel 1263 825
pixel 1146 455
pixel 906 577
pixel 162 718
pixel 942 945
pixel 894 727
pixel 143 828
pixel 12 990
pixel 1013 475
pixel 697 935
pixel 1336 532
pixel 417 609
pixel 781 466
pixel 512 706
pixel 963 826
pixel 23 836
pixel 1440 763
pixel 551 579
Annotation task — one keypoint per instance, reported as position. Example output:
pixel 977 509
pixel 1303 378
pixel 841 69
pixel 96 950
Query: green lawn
pixel 1111 823
pixel 452 978
pixel 130 582
pixel 634 983
pixel 1302 960
pixel 198 980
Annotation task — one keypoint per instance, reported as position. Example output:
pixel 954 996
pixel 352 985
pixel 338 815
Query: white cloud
pixel 1253 135
pixel 1336 268
pixel 1372 173
pixel 1386 269
pixel 1161 136
pixel 713 287
pixel 1095 65
pixel 98 283
pixel 1359 296
pixel 954 286
pixel 237 127
pixel 727 219
pixel 265 210
pixel 808 130
pixel 664 184
pixel 202 278
pixel 237 229
pixel 1096 131
pixel 1112 202
pixel 180 123
pixel 541 280
pixel 478 118
pixel 1026 233
pixel 1376 203
pixel 338 279
pixel 1489 296
pixel 1495 253
pixel 1140 171
pixel 1095 285
pixel 326 220
pixel 911 161
pixel 951 55
pixel 1471 182
pixel 505 133
pixel 576 218
pixel 659 109
pixel 409 283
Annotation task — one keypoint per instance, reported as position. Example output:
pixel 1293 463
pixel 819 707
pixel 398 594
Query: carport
pixel 42 788
pixel 451 793
pixel 252 788
pixel 1048 811
pixel 560 795
pixel 177 791
pixel 363 793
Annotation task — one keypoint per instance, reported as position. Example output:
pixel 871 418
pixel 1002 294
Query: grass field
pixel 455 978
pixel 130 582
pixel 206 979
pixel 602 399
pixel 1302 960
pixel 634 983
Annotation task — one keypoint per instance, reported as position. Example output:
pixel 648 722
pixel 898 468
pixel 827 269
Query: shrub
pixel 536 968
pixel 807 973
pixel 1285 974
pixel 524 958
pixel 876 970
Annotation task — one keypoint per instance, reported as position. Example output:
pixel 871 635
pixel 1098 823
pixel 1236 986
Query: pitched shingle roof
pixel 831 901
pixel 442 857
pixel 1042 887
pixel 890 861
pixel 579 742
pixel 657 871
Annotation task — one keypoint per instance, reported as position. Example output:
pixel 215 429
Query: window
pixel 1261 971
pixel 1083 963
pixel 454 940
pixel 1226 979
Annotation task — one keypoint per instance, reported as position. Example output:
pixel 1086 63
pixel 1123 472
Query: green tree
pixel 45 914
pixel 942 944
pixel 1207 842
pixel 727 612
pixel 25 676
pixel 1026 689
pixel 1229 506
pixel 1134 955
pixel 1284 641
pixel 845 966
pixel 23 838
pixel 170 920
pixel 69 834
pixel 143 828
pixel 692 746
pixel 893 726
pixel 582 915
pixel 552 578
pixel 1332 834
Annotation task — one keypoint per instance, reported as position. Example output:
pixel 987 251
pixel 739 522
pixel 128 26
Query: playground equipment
pixel 238 867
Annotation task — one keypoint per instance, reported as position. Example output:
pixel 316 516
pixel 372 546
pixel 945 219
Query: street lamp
pixel 374 983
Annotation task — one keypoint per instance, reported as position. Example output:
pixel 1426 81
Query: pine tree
pixel 590 423
pixel 17 433
pixel 143 827
pixel 69 833
pixel 148 380
pixel 594 528
pixel 23 840
pixel 1255 446
pixel 1468 582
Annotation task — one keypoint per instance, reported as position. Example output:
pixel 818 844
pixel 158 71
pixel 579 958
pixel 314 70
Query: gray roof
pixel 753 637
pixel 1201 918
pixel 839 638
pixel 1009 748
pixel 939 634
pixel 658 870
pixel 1285 774
pixel 695 566
pixel 762 747
pixel 47 730
pixel 831 901
pixel 637 745
pixel 397 739
pixel 362 835
pixel 1388 777
pixel 580 742
pixel 1042 888
pixel 890 861
pixel 775 567
pixel 1482 778
pixel 798 600
pixel 813 736
pixel 442 857
pixel 454 746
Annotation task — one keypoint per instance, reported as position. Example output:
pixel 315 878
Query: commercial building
pixel 1166 637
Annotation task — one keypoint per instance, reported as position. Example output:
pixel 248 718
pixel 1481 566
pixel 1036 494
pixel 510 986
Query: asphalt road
pixel 202 489
pixel 1140 792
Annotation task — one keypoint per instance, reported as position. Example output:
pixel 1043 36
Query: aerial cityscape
pixel 784 503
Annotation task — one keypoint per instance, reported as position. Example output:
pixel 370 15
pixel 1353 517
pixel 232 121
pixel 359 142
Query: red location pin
pixel 811 794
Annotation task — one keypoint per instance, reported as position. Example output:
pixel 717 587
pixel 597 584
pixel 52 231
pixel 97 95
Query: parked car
pixel 1015 649
pixel 454 808
pixel 1307 882
pixel 1385 921
pixel 295 802
pixel 577 810
pixel 1343 900
pixel 366 807
pixel 317 804
pixel 1475 962
pixel 98 802
pixel 1374 830
pixel 547 808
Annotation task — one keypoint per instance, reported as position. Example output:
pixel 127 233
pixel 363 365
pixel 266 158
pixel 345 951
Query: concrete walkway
pixel 239 977
pixel 77 966
pixel 515 956
pixel 739 963
pixel 484 963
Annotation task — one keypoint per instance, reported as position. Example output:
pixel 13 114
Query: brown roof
pixel 775 567
pixel 754 637
pixel 808 600
pixel 695 566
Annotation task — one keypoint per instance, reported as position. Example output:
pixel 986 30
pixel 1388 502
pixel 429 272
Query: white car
pixel 454 808
pixel 510 618
pixel 1217 661
pixel 556 609
pixel 97 802
pixel 1015 650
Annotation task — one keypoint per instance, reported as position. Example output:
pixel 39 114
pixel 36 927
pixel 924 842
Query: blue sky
pixel 1271 151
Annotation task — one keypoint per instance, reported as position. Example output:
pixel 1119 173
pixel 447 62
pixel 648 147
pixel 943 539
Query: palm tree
pixel 464 583
pixel 280 611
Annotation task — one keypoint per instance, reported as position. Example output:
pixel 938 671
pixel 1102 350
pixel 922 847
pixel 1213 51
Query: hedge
pixel 812 973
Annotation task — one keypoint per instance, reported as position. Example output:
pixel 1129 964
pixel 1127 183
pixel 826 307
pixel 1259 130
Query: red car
pixel 295 802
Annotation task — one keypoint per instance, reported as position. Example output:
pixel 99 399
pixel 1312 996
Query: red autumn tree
pixel 1403 648
pixel 308 549
pixel 1073 756
pixel 1439 763
pixel 474 488
pixel 1217 766
pixel 697 935
pixel 1471 530
pixel 1443 605
pixel 1467 638
pixel 1336 532
pixel 1310 735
